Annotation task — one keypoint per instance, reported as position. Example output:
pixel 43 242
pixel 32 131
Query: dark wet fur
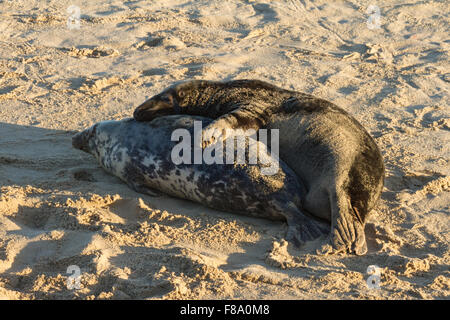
pixel 256 104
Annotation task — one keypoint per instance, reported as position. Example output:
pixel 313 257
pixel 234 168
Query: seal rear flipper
pixel 347 229
pixel 302 228
pixel 144 189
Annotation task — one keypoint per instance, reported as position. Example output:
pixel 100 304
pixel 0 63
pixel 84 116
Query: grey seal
pixel 329 150
pixel 140 153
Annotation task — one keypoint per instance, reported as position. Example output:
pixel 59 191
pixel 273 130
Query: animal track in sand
pixel 94 86
pixel 421 185
pixel 428 117
pixel 83 175
pixel 96 52
pixel 32 217
pixel 170 43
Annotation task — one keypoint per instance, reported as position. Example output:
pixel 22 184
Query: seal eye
pixel 181 94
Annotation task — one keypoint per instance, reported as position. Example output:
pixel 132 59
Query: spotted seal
pixel 140 153
pixel 327 148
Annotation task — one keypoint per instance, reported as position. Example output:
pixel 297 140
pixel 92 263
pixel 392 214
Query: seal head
pixel 84 140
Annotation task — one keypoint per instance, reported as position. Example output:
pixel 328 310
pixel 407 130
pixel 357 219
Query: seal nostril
pixel 77 141
pixel 137 114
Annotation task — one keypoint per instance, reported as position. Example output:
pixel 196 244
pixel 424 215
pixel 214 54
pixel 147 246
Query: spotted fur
pixel 139 153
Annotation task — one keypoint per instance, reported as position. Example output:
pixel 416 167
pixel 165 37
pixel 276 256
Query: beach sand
pixel 62 216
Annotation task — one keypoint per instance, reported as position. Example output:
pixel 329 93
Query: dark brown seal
pixel 335 157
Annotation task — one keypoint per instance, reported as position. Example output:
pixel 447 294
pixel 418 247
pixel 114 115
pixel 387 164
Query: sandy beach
pixel 65 65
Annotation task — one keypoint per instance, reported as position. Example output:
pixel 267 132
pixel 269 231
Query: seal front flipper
pixel 143 189
pixel 216 131
pixel 244 116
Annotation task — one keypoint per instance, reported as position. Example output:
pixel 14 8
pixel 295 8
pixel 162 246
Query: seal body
pixel 335 157
pixel 141 154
